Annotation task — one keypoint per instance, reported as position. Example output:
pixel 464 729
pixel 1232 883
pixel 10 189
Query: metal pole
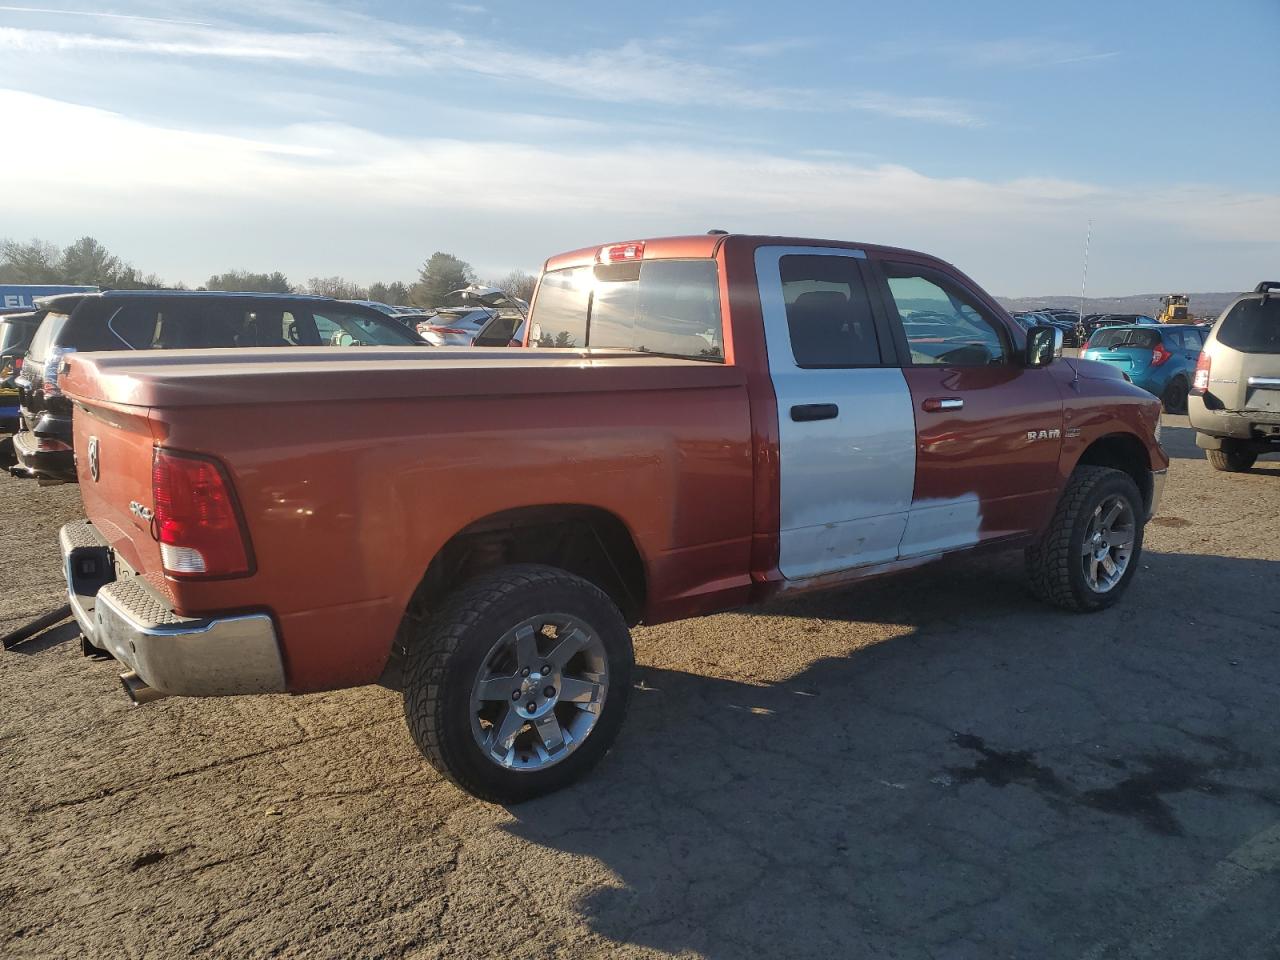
pixel 1084 275
pixel 35 626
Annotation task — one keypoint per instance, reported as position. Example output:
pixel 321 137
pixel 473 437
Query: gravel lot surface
pixel 928 766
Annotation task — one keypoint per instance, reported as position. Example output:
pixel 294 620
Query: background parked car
pixel 1160 359
pixel 16 330
pixel 456 326
pixel 1086 327
pixel 1235 395
pixel 166 319
pixel 409 316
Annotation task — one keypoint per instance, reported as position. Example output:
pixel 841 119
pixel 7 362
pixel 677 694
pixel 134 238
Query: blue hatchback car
pixel 1160 359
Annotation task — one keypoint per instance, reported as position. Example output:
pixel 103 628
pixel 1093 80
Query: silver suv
pixel 1235 398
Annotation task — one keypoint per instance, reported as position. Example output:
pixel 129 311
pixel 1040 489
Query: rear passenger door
pixel 988 429
pixel 846 432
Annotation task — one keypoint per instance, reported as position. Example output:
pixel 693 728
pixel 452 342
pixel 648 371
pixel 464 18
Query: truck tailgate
pixel 113 445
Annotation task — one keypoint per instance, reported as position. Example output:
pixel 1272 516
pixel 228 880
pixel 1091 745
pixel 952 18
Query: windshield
pixel 1116 339
pixel 1252 326
pixel 668 307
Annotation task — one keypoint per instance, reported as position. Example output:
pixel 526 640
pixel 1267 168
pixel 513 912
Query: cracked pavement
pixel 929 766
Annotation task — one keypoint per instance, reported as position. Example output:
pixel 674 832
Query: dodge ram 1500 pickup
pixel 696 423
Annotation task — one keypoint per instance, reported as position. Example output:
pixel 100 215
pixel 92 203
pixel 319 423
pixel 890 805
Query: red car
pixel 703 422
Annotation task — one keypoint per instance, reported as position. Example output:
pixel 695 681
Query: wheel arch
pixel 590 541
pixel 1125 452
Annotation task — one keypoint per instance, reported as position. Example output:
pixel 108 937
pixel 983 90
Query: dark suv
pixel 166 319
pixel 17 327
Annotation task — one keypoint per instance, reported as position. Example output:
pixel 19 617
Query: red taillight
pixel 1200 385
pixel 51 445
pixel 17 364
pixel 515 343
pixel 453 330
pixel 1159 355
pixel 196 518
pixel 621 252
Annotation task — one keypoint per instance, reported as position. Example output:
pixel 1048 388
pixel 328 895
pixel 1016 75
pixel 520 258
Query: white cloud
pixel 629 73
pixel 325 198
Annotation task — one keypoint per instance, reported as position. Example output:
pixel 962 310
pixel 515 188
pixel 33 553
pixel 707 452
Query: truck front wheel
pixel 518 682
pixel 1092 548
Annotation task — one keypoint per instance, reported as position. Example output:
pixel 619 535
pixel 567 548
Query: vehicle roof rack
pixel 1265 288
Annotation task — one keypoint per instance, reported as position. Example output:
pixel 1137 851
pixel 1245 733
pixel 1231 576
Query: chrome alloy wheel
pixel 1108 543
pixel 539 692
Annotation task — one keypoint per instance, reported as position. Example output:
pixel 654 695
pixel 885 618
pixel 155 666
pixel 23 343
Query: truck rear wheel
pixel 518 682
pixel 1090 553
pixel 1231 458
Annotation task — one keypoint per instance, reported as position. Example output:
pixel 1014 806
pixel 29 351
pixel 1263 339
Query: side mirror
pixel 1044 343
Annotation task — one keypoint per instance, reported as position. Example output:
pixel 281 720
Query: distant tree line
pixel 88 262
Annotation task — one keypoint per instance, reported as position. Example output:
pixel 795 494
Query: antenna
pixel 1084 274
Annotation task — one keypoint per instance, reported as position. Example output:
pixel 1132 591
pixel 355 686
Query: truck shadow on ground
pixel 1000 780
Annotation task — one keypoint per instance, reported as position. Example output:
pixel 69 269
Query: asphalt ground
pixel 929 766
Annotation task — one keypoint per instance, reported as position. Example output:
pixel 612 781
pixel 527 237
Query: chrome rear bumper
pixel 183 656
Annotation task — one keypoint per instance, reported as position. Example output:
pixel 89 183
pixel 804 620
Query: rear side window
pixel 670 307
pixel 46 335
pixel 1252 326
pixel 172 326
pixel 828 312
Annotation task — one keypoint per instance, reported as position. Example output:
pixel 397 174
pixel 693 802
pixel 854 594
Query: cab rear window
pixel 1252 326
pixel 667 307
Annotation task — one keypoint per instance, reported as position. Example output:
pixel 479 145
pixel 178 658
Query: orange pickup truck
pixel 696 423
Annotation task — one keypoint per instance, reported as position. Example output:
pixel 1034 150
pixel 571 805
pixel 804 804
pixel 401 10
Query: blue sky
pixel 320 138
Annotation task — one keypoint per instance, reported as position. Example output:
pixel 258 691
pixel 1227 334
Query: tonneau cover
pixel 178 378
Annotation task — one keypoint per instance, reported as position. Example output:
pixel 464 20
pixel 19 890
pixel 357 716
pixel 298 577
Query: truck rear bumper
pixel 182 656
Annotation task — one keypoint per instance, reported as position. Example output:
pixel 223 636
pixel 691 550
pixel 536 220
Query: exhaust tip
pixel 138 690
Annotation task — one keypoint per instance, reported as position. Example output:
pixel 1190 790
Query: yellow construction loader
pixel 1175 309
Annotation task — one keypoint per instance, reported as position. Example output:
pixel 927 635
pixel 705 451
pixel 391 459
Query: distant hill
pixel 1202 304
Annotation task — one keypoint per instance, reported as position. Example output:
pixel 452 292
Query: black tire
pixel 1174 398
pixel 452 642
pixel 1231 459
pixel 1054 566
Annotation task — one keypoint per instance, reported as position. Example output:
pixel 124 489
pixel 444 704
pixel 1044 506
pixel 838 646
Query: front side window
pixel 944 325
pixel 828 312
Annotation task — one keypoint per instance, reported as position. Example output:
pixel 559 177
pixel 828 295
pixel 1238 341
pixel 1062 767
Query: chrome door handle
pixel 935 404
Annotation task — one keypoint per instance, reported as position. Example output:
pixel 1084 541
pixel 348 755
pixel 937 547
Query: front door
pixel 988 428
pixel 846 431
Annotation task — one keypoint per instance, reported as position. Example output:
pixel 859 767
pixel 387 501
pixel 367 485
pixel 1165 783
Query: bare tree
pixel 518 284
pixel 35 262
pixel 335 287
pixel 275 282
pixel 395 293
